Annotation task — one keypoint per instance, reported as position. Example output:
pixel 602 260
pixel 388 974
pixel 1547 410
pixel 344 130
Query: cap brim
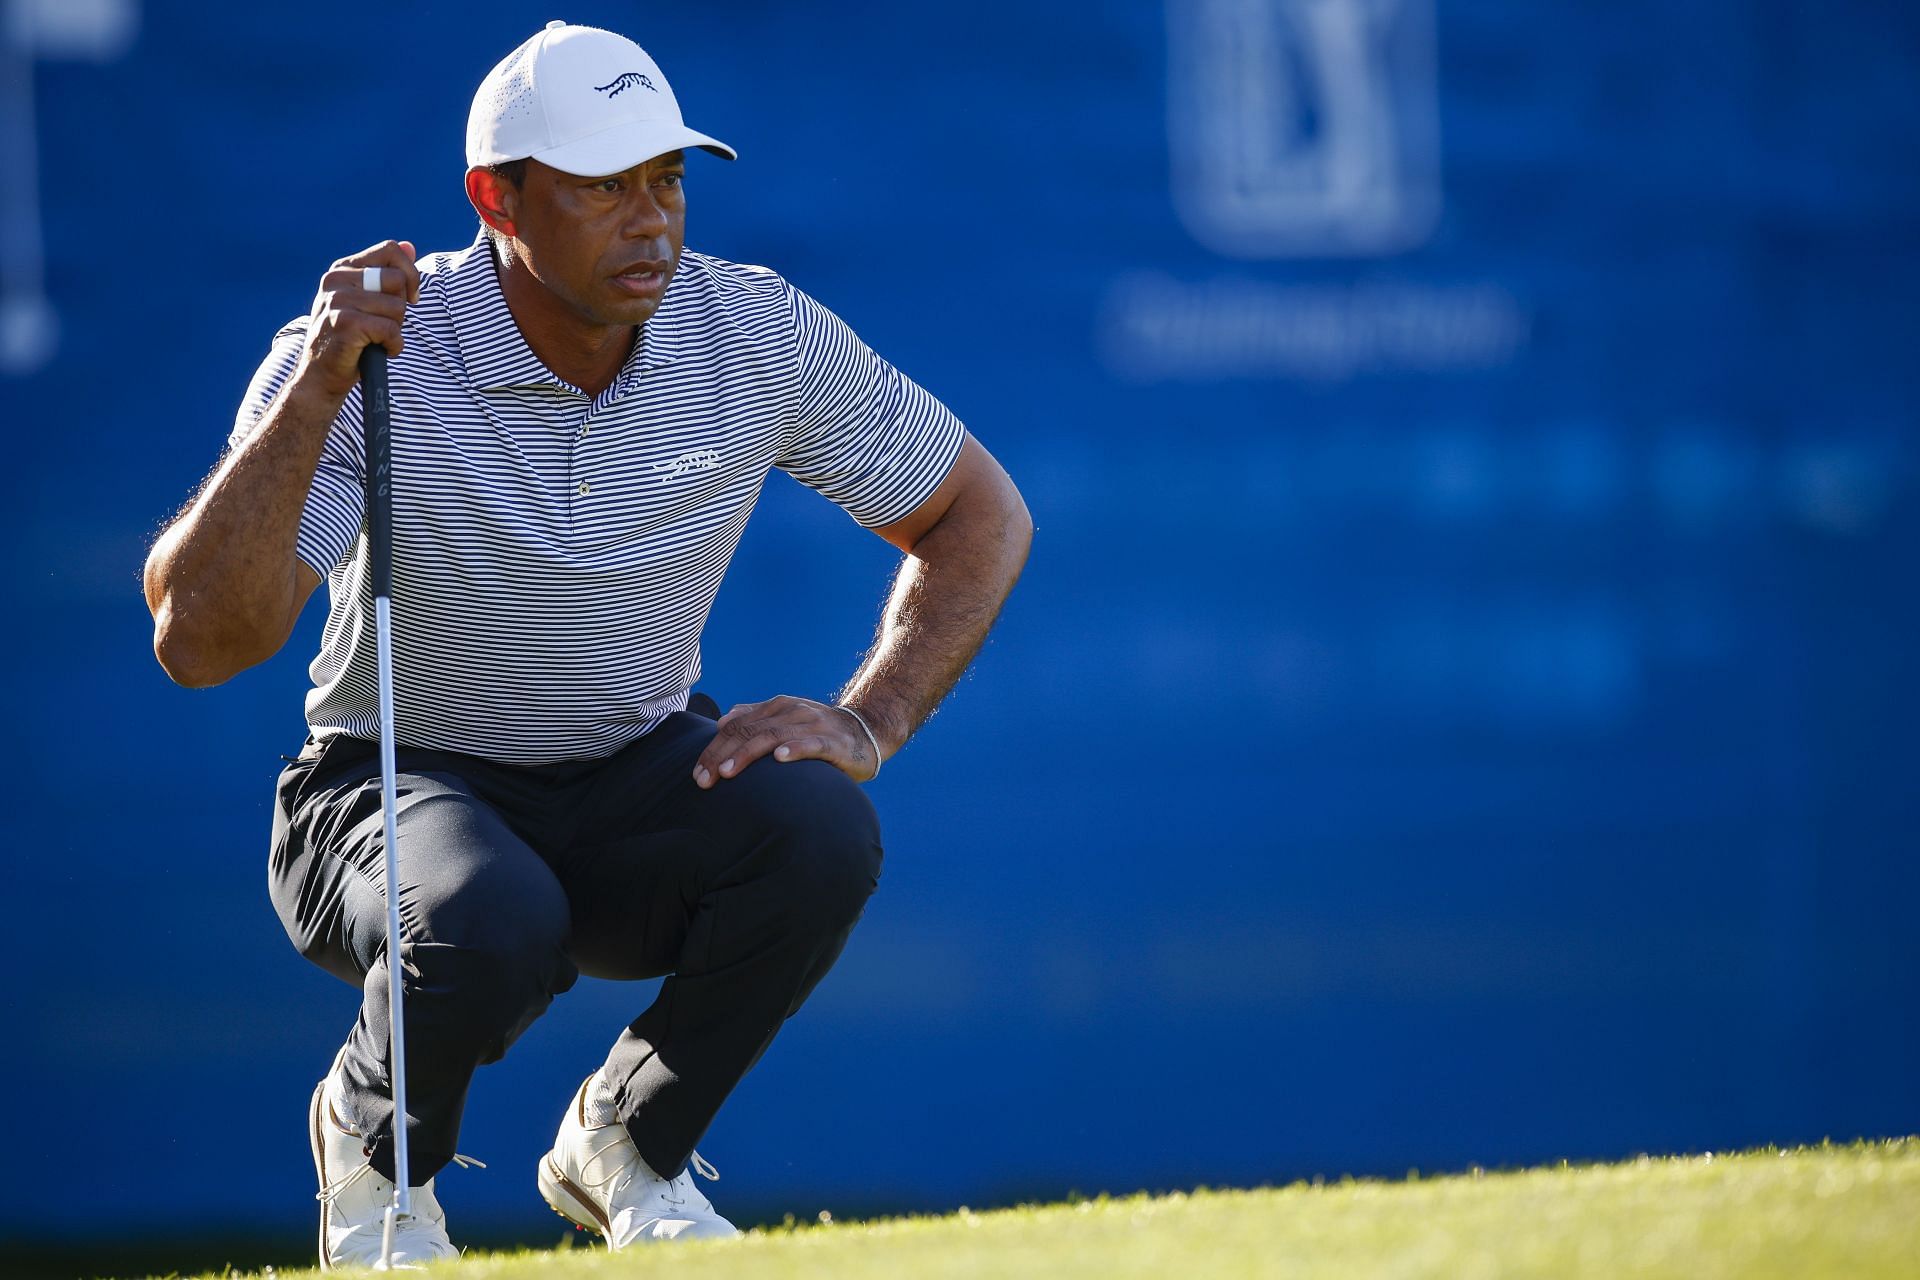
pixel 622 146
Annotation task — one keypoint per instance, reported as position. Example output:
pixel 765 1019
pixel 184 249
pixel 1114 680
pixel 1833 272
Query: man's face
pixel 605 247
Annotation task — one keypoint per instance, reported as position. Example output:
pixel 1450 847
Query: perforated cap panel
pixel 581 99
pixel 507 121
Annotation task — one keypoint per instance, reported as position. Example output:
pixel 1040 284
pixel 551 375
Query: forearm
pixel 223 581
pixel 945 597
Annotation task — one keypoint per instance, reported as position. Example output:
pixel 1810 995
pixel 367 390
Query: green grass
pixel 1842 1211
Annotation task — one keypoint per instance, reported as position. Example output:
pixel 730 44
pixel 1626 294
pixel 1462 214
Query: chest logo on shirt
pixel 698 460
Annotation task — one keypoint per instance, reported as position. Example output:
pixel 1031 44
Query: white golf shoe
pixel 594 1178
pixel 354 1199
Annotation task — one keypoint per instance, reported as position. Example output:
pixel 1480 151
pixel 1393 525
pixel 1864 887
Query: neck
pixel 576 350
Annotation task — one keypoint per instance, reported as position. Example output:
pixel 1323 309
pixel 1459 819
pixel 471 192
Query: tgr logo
pixel 698 460
pixel 1304 128
pixel 625 80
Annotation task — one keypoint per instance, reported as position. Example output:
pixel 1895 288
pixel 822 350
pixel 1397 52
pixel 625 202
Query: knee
pixel 494 940
pixel 528 936
pixel 492 981
pixel 830 837
pixel 485 982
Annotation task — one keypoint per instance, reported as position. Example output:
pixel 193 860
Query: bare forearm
pixel 944 600
pixel 223 581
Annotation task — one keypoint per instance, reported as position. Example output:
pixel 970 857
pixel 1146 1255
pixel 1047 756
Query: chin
pixel 627 311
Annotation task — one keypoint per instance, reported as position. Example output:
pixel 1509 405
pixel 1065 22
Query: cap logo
pixel 626 80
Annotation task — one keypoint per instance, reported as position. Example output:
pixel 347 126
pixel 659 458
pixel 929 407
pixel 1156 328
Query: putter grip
pixel 379 431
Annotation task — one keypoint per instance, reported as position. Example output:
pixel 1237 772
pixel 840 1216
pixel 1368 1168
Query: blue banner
pixel 1460 709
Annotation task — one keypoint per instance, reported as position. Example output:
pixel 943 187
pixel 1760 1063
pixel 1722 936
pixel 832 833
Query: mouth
pixel 646 279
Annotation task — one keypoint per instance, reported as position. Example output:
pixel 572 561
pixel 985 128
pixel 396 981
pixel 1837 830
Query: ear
pixel 494 199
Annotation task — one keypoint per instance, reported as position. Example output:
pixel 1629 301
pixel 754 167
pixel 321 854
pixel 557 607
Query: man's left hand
pixel 788 729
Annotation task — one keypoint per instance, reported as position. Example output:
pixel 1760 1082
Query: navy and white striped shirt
pixel 555 554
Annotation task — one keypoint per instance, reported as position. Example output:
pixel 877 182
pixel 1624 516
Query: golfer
pixel 583 415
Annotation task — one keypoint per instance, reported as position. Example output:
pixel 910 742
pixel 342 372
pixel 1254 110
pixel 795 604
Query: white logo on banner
pixel 93 30
pixel 1304 128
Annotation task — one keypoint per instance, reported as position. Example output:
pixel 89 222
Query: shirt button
pixel 584 430
pixel 585 488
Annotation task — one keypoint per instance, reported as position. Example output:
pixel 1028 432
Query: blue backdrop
pixel 1461 707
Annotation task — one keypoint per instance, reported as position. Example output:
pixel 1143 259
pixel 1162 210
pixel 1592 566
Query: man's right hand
pixel 348 317
pixel 225 581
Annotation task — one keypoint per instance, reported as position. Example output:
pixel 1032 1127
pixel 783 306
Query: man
pixel 583 415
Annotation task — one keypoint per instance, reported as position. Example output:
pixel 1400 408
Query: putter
pixel 373 388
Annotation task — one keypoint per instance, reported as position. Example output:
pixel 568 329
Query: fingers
pixel 745 735
pixel 342 289
pixel 380 281
pixel 803 749
pixel 362 301
pixel 338 334
pixel 393 258
pixel 737 709
pixel 787 729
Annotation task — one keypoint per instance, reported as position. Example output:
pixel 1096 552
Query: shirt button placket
pixel 586 425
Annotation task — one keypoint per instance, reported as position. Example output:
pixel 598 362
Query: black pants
pixel 515 880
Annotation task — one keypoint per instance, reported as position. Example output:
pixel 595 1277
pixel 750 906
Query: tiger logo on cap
pixel 626 80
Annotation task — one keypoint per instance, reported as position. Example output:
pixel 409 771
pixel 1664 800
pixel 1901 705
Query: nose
pixel 646 217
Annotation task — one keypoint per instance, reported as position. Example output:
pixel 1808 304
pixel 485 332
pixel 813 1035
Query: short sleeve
pixel 330 522
pixel 866 435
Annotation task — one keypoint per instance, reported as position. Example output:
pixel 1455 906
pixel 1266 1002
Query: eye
pixel 670 179
pixel 609 185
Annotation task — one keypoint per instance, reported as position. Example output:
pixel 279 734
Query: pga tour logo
pixel 1304 128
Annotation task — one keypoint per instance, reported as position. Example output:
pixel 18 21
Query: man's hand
pixel 225 582
pixel 348 317
pixel 788 729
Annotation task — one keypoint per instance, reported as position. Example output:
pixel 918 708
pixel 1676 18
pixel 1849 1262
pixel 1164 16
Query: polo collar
pixel 663 336
pixel 497 356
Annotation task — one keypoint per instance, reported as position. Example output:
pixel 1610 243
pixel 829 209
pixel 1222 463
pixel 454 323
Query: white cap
pixel 583 100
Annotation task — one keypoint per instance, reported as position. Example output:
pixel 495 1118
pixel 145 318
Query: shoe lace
pixel 618 1183
pixel 696 1163
pixel 338 1187
pixel 335 1189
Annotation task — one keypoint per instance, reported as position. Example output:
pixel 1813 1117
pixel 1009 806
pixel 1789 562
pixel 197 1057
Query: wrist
pixel 885 717
pixel 317 391
pixel 866 730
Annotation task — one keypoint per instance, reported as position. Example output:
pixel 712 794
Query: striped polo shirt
pixel 555 554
